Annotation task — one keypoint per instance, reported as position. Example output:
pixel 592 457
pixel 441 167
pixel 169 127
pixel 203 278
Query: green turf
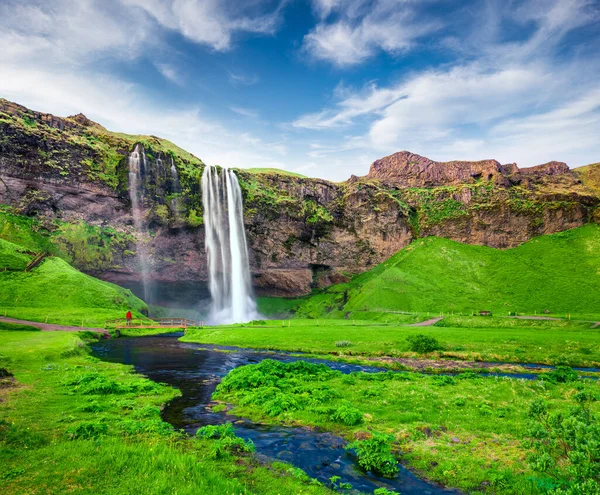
pixel 468 431
pixel 55 292
pixel 473 339
pixel 558 274
pixel 49 407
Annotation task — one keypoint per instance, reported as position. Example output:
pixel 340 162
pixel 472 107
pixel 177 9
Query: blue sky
pixel 321 87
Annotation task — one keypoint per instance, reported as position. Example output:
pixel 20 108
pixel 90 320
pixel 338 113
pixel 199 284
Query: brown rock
pixel 407 169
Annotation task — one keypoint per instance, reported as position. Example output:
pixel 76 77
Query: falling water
pixel 137 159
pixel 176 187
pixel 226 248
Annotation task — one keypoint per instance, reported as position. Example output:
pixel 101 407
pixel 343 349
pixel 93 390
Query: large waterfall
pixel 137 160
pixel 226 248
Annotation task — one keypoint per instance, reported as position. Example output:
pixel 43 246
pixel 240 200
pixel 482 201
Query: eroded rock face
pixel 302 233
pixel 406 169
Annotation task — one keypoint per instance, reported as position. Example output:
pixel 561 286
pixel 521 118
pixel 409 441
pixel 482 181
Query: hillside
pixel 71 175
pixel 559 273
pixel 58 291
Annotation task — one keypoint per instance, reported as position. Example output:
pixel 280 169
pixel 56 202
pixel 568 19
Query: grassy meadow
pixel 70 423
pixel 572 343
pixel 471 432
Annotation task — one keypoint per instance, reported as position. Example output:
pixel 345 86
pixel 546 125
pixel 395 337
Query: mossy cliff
pixel 64 182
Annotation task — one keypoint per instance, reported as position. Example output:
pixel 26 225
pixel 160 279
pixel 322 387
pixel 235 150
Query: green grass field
pixel 470 432
pixel 558 273
pixel 55 292
pixel 473 339
pixel 70 423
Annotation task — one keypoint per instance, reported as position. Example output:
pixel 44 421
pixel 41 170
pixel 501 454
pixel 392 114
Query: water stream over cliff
pixel 176 188
pixel 137 163
pixel 226 248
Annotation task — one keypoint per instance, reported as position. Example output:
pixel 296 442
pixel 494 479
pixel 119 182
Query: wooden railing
pixel 36 261
pixel 153 323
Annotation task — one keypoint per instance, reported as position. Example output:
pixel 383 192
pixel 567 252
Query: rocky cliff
pixel 67 178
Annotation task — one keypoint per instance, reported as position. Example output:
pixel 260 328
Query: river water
pixel 196 372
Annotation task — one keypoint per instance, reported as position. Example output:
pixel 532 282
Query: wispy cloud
pixel 214 22
pixel 169 72
pixel 243 79
pixel 363 27
pixel 245 112
pixel 516 100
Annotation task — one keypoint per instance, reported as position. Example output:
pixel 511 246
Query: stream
pixel 196 372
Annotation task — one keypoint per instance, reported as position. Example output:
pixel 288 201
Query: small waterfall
pixel 137 160
pixel 176 188
pixel 226 248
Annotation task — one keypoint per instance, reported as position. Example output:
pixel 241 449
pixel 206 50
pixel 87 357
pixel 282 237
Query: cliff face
pixel 70 178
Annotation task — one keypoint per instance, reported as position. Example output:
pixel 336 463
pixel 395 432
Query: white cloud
pixel 243 79
pixel 363 28
pixel 213 22
pixel 169 72
pixel 245 112
pixel 510 100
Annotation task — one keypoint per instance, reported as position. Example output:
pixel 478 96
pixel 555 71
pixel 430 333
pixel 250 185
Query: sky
pixel 318 87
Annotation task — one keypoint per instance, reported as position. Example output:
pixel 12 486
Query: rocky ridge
pixel 68 178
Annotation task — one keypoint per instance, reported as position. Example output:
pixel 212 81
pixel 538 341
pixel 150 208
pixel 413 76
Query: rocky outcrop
pixel 406 169
pixel 303 233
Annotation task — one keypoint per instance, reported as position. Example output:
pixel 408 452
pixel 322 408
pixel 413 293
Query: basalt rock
pixel 303 233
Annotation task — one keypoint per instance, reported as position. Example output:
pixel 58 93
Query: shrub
pixel 343 343
pixel 93 406
pixel 384 491
pixel 561 374
pixel 375 454
pixel 566 446
pixel 86 430
pixel 347 415
pixel 423 343
pixel 225 441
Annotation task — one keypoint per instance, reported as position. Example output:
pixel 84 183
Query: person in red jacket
pixel 129 316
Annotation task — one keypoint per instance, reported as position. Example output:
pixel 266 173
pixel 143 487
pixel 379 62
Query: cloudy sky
pixel 321 87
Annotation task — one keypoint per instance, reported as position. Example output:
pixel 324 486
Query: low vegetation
pixel 55 292
pixel 492 339
pixel 466 431
pixel 72 423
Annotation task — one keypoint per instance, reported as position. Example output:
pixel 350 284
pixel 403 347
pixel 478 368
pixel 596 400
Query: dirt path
pixel 426 323
pixel 47 327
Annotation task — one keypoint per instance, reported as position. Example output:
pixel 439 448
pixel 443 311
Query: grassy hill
pixel 57 291
pixel 590 176
pixel 559 273
pixel 266 170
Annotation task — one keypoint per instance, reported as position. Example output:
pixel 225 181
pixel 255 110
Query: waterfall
pixel 226 248
pixel 137 159
pixel 175 187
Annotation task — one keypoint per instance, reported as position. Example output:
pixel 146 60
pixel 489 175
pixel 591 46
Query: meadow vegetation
pixel 55 292
pixel 72 423
pixel 480 434
pixel 473 339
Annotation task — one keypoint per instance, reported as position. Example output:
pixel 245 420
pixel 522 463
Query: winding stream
pixel 196 372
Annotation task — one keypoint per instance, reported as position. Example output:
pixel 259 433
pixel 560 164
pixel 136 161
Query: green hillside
pixel 58 291
pixel 559 273
pixel 258 170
